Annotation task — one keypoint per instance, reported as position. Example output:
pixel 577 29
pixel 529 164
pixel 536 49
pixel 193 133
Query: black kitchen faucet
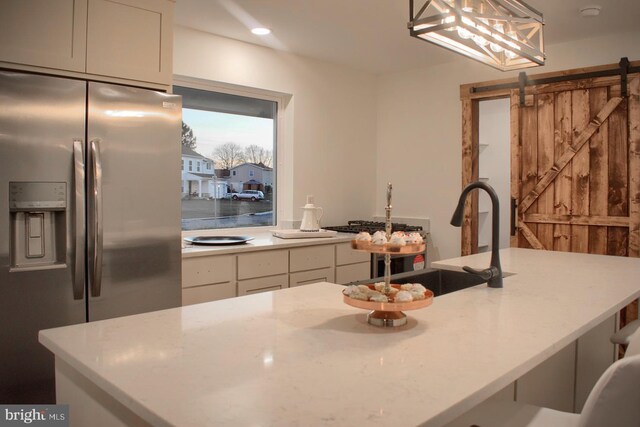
pixel 493 274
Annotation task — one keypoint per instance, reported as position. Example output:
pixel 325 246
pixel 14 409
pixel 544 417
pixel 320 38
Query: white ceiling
pixel 371 35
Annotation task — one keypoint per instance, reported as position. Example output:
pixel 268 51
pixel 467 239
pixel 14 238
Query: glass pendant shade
pixel 505 34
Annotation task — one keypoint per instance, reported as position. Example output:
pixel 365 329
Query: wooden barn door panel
pixel 618 237
pixel 575 165
pixel 599 173
pixel 580 169
pixel 634 167
pixel 562 185
pixel 573 155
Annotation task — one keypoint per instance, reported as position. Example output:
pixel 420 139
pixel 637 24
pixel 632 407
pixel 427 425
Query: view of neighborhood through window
pixel 228 142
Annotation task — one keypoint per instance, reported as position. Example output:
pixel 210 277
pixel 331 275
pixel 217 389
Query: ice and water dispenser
pixel 38 212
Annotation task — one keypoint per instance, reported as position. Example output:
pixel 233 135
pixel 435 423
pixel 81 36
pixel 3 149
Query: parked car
pixel 252 195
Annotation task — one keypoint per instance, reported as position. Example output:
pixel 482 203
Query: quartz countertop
pixel 262 240
pixel 300 356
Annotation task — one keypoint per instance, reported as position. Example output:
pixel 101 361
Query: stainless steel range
pixel 359 225
pixel 399 263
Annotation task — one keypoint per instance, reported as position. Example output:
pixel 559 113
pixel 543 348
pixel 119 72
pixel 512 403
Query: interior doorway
pixel 494 166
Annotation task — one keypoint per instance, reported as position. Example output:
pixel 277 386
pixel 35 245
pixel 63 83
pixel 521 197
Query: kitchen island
pixel 300 356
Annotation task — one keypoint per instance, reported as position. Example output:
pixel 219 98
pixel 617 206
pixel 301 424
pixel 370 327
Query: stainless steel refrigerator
pixel 90 214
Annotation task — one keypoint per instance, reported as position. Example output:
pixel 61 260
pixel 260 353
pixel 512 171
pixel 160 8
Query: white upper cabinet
pixel 130 39
pixel 108 40
pixel 44 33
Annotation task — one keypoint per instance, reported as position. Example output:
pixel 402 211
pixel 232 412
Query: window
pixel 198 166
pixel 190 165
pixel 182 165
pixel 228 130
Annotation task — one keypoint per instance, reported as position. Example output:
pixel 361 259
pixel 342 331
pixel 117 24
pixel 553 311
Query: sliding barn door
pixel 576 167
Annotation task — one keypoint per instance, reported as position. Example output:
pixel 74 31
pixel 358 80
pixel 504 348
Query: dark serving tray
pixel 218 240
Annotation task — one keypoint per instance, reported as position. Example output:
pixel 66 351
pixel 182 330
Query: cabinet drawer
pixel 207 293
pixel 346 255
pixel 260 264
pixel 352 272
pixel 263 284
pixel 311 258
pixel 313 276
pixel 207 270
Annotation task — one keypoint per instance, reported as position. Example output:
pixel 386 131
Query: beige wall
pixel 418 129
pixel 351 132
pixel 331 131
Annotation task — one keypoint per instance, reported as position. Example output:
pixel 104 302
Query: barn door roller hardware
pixel 522 83
pixel 624 68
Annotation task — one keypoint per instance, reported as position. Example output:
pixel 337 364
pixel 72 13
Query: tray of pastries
pixel 398 243
pixel 409 296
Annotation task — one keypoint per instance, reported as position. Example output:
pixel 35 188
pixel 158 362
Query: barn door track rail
pixel 624 68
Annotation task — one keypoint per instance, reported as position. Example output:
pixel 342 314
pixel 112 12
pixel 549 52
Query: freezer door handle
pixel 95 221
pixel 78 184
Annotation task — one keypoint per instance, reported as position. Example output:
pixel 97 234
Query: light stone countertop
pixel 263 240
pixel 300 356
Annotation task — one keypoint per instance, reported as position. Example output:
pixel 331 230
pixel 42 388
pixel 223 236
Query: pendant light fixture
pixel 505 34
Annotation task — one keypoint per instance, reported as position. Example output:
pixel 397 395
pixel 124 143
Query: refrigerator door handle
pixel 95 277
pixel 78 181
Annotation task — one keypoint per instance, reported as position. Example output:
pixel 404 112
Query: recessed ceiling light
pixel 590 11
pixel 261 31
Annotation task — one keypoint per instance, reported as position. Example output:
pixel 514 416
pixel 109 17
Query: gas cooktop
pixel 358 226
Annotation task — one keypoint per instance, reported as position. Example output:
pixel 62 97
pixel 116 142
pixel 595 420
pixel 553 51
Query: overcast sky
pixel 212 128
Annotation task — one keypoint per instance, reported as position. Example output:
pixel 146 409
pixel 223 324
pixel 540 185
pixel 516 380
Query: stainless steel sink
pixel 440 282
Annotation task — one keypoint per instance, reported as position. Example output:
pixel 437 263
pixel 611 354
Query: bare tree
pixel 258 155
pixel 228 155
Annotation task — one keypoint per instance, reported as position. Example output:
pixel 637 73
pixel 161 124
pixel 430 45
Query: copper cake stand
pixel 388 313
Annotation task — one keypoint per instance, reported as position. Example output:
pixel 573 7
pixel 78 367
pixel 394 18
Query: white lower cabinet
pixel 563 381
pixel 346 255
pixel 263 284
pixel 311 258
pixel 352 272
pixel 198 294
pixel 208 279
pixel 214 277
pixel 550 384
pixel 594 355
pixel 208 270
pixel 311 265
pixel 263 263
pixel 351 265
pixel 313 276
